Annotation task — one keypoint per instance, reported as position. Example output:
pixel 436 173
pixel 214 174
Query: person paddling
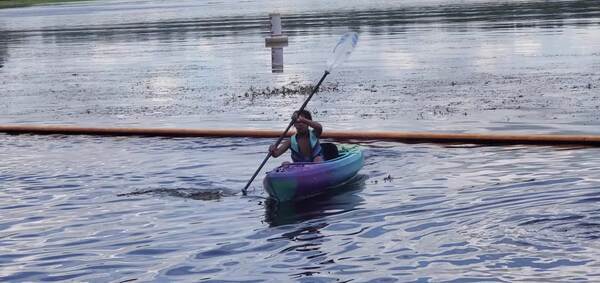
pixel 304 144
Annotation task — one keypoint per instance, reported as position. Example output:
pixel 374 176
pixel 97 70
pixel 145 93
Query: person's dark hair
pixel 304 113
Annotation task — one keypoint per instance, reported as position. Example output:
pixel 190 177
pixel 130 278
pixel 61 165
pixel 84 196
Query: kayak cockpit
pixel 330 151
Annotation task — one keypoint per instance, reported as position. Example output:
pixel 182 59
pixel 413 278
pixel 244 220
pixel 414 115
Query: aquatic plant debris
pixel 291 89
pixel 188 193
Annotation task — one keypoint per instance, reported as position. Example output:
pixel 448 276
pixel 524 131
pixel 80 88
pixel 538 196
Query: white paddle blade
pixel 342 50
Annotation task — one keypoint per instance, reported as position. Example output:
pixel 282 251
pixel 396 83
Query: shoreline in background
pixel 4 4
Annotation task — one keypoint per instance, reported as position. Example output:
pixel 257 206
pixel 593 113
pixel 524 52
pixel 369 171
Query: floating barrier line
pixel 397 136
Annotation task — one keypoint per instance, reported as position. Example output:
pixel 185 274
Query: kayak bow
pixel 296 181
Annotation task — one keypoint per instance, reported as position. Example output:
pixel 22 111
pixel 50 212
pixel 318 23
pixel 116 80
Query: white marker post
pixel 277 41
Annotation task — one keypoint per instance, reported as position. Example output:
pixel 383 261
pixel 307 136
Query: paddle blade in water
pixel 342 50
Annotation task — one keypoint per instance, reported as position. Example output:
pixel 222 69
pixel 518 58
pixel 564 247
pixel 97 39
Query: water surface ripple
pixel 117 209
pixel 114 209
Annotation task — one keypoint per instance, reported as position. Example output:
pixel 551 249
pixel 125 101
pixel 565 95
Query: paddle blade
pixel 342 50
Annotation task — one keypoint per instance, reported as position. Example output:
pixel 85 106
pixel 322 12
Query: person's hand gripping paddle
pixel 342 50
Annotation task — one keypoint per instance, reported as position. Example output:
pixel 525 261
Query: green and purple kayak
pixel 300 180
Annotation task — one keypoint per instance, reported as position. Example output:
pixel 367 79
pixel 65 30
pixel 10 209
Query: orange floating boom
pixel 406 137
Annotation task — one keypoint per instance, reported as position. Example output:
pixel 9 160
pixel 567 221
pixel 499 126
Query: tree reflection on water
pixel 3 47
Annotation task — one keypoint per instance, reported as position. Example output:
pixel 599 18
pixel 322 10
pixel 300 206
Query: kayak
pixel 300 180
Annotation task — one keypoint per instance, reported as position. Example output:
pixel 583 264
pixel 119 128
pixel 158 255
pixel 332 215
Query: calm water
pixel 91 209
pixel 433 65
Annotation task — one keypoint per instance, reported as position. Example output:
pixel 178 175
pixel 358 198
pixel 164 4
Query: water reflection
pixel 154 31
pixel 3 47
pixel 340 200
pixel 277 59
pixel 553 14
pixel 277 55
pixel 374 21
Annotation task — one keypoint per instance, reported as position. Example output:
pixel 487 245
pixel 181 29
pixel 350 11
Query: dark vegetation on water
pixel 195 194
pixel 291 89
pixel 428 99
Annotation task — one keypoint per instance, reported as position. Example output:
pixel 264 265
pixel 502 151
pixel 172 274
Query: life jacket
pixel 297 155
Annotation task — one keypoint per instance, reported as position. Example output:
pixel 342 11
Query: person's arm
pixel 318 129
pixel 283 147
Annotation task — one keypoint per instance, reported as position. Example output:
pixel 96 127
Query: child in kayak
pixel 304 144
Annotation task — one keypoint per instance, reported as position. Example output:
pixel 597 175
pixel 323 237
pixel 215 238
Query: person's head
pixel 302 128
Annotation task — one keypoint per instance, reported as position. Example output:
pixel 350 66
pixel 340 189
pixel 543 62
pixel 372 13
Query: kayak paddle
pixel 341 51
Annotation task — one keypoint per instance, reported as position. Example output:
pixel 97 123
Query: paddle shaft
pixel 245 189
